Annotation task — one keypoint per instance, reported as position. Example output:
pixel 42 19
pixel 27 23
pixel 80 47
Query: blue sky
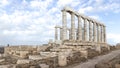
pixel 32 21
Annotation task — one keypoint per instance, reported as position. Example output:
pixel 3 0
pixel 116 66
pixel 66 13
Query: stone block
pixel 35 57
pixel 7 66
pixel 23 61
pixel 84 53
pixel 44 65
pixel 62 59
pixel 117 65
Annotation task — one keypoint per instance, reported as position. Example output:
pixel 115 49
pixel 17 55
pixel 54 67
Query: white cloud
pixel 95 17
pixel 3 3
pixel 86 9
pixel 37 18
pixel 114 37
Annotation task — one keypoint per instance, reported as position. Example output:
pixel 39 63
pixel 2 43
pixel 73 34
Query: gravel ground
pixel 92 62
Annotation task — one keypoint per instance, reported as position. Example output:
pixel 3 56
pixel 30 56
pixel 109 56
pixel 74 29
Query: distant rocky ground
pixel 1 49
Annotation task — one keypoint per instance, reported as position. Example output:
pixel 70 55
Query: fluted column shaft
pixel 98 33
pixel 56 34
pixel 72 26
pixel 101 33
pixel 104 34
pixel 94 32
pixel 60 33
pixel 85 29
pixel 90 31
pixel 79 29
pixel 64 25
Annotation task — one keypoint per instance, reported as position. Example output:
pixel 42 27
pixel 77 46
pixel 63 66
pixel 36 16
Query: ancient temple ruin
pixel 89 32
pixel 84 39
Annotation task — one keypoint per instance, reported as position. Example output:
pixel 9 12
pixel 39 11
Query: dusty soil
pixel 92 62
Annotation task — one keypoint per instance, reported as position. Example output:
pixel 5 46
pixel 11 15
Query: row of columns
pixel 97 34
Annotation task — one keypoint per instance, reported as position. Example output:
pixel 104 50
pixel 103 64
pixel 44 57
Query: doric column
pixel 101 33
pixel 98 33
pixel 79 29
pixel 72 26
pixel 64 25
pixel 90 31
pixel 60 33
pixel 85 29
pixel 104 34
pixel 69 34
pixel 94 32
pixel 56 34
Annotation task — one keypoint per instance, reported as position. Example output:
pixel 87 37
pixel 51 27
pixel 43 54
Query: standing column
pixel 94 32
pixel 98 33
pixel 90 31
pixel 79 29
pixel 69 34
pixel 56 34
pixel 101 33
pixel 64 25
pixel 72 26
pixel 104 34
pixel 85 29
pixel 60 33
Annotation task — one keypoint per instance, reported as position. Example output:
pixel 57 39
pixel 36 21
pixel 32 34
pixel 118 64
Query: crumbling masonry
pixel 88 30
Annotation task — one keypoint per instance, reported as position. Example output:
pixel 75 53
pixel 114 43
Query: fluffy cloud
pixel 114 37
pixel 33 21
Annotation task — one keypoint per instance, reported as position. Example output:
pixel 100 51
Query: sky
pixel 29 22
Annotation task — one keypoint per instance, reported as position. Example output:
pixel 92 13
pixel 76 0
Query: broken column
pixel 62 59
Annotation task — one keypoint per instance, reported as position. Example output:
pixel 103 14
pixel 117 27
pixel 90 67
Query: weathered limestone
pixel 23 61
pixel 104 34
pixel 98 33
pixel 56 33
pixel 90 31
pixel 44 66
pixel 72 26
pixel 84 53
pixel 61 34
pixel 85 29
pixel 64 25
pixel 62 59
pixel 69 34
pixel 35 57
pixel 94 32
pixel 79 29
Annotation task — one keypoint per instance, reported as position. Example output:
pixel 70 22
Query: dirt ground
pixel 92 62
